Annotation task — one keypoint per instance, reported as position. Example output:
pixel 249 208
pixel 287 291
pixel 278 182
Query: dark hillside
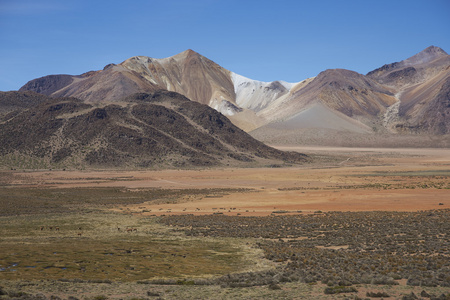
pixel 48 84
pixel 159 130
pixel 11 102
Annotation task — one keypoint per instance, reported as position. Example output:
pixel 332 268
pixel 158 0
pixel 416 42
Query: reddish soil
pixel 339 179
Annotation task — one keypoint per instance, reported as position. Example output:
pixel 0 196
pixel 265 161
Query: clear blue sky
pixel 262 40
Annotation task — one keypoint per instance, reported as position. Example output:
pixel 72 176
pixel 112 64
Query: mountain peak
pixel 429 54
pixel 434 49
pixel 187 53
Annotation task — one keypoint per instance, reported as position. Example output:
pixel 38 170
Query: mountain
pixel 157 130
pixel 342 107
pixel 346 93
pixel 336 105
pixel 422 83
pixel 111 83
pixel 414 69
pixel 407 97
pixel 187 73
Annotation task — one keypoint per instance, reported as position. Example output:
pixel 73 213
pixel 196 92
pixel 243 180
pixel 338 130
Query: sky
pixel 263 40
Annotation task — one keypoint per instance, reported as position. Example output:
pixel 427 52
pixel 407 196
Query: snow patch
pixel 225 107
pixel 256 95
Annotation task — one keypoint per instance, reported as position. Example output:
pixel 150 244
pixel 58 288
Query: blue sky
pixel 262 40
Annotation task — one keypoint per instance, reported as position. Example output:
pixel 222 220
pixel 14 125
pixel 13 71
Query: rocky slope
pixel 158 130
pixel 12 103
pixel 422 83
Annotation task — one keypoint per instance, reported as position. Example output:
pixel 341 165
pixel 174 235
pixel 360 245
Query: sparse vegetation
pixel 70 237
pixel 342 247
pixel 340 290
pixel 327 252
pixel 25 201
pixel 161 130
pixel 377 294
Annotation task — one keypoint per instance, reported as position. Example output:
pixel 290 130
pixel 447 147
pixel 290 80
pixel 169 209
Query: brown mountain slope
pixel 400 104
pixel 420 82
pixel 187 73
pixel 47 85
pixel 347 92
pixel 334 99
pixel 159 130
pixel 431 112
pixel 410 71
pixel 404 97
pixel 110 84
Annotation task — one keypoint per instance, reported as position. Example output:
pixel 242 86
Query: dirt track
pixel 341 179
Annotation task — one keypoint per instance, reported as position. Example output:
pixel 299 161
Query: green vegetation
pixel 95 246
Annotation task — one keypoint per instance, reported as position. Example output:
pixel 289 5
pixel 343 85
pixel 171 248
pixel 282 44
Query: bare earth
pixel 338 179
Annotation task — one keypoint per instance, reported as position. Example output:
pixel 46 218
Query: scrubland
pixel 351 225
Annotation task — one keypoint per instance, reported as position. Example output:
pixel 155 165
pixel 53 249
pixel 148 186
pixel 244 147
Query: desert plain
pixel 200 233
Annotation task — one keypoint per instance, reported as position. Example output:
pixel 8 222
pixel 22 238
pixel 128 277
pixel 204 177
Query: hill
pixel 158 130
pixel 422 83
pixel 13 102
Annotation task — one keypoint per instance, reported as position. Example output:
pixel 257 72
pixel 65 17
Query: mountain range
pixel 187 111
pixel 407 97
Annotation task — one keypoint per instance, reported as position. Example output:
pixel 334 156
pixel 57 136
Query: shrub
pixel 340 289
pixel 377 294
pixel 385 280
pixel 274 286
pixel 185 282
pixel 15 294
pixel 411 296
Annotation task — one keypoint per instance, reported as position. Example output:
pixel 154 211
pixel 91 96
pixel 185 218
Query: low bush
pixel 377 294
pixel 340 289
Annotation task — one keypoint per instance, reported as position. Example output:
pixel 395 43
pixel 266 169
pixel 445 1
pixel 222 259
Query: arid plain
pixel 337 179
pixel 291 232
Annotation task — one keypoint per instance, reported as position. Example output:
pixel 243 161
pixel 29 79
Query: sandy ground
pixel 338 179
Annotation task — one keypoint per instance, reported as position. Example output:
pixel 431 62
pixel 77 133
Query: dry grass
pixel 24 200
pixel 100 251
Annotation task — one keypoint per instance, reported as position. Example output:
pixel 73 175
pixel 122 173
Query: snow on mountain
pixel 257 95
